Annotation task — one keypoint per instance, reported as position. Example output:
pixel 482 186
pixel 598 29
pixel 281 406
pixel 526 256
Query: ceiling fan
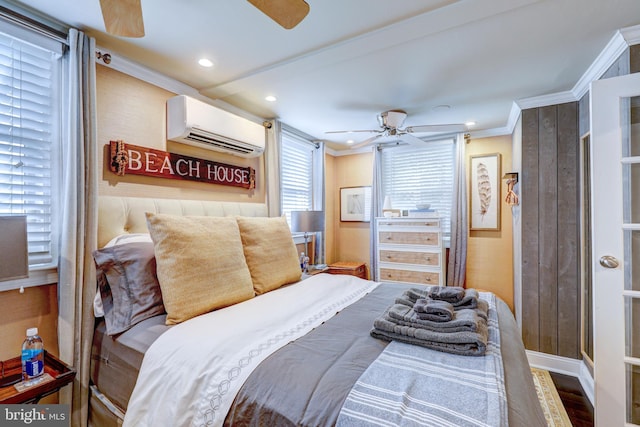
pixel 124 17
pixel 391 126
pixel 287 13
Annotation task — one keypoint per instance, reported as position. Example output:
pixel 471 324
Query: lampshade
pixel 387 203
pixel 14 261
pixel 307 221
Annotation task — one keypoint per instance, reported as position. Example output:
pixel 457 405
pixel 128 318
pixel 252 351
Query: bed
pixel 320 353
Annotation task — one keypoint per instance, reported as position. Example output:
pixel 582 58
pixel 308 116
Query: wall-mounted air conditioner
pixel 194 122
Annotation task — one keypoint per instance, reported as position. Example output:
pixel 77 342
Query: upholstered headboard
pixel 122 215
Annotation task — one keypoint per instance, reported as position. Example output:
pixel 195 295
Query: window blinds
pixel 28 92
pixel 296 174
pixel 413 176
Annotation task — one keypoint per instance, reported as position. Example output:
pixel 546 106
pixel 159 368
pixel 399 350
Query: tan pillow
pixel 270 252
pixel 200 264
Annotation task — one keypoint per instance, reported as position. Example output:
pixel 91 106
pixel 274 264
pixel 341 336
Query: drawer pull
pixel 428 258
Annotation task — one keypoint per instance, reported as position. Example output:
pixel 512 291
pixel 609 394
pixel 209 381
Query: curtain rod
pixel 33 25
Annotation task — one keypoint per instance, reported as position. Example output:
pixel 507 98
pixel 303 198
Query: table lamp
pixel 14 262
pixel 307 222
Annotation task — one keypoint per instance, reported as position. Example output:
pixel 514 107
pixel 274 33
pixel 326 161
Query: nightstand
pixel 357 269
pixel 59 376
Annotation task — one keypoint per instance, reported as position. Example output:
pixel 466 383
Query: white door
pixel 615 183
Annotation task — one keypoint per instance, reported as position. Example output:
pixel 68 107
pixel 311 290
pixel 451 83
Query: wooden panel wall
pixel 550 234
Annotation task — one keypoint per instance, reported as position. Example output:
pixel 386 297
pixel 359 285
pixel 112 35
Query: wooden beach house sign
pixel 135 160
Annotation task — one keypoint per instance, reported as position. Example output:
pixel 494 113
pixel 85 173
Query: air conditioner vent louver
pixel 193 122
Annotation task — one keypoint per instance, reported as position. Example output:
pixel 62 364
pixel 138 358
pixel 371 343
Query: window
pixel 29 102
pixel 413 176
pixel 297 173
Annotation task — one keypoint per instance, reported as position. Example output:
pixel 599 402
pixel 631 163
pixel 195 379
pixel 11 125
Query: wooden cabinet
pixel 357 269
pixel 410 250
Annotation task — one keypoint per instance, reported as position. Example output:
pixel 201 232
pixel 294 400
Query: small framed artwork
pixel 485 196
pixel 355 204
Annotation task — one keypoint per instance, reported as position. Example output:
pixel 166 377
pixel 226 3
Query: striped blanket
pixel 409 385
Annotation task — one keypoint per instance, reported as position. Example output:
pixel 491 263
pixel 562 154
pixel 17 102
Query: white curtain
pixel 272 166
pixel 456 270
pixel 78 234
pixel 376 210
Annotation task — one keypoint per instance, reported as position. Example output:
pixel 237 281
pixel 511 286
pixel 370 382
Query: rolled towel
pixel 452 294
pixel 464 320
pixel 469 300
pixel 429 309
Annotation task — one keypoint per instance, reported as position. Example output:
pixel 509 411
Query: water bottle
pixel 32 356
pixel 302 261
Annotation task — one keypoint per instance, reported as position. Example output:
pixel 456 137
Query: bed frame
pixel 122 215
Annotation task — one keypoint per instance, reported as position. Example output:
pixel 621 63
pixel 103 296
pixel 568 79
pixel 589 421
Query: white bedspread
pixel 191 374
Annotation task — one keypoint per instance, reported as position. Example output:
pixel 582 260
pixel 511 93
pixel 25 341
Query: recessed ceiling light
pixel 205 62
pixel 350 141
pixel 470 124
pixel 270 98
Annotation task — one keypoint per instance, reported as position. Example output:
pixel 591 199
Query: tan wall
pixel 134 111
pixel 490 253
pixel 351 238
pixel 36 307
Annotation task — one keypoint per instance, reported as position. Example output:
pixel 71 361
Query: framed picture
pixel 485 198
pixel 355 204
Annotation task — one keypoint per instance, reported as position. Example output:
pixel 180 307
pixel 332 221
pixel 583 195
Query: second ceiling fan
pixel 124 17
pixel 391 123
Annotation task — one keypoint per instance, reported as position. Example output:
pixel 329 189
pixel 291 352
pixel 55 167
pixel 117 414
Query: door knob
pixel 609 261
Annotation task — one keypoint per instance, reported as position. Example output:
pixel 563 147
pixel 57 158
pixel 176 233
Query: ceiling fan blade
pixel 123 17
pixel 410 139
pixel 287 13
pixel 365 142
pixel 456 127
pixel 353 131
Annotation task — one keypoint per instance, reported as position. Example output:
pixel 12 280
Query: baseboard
pixel 564 365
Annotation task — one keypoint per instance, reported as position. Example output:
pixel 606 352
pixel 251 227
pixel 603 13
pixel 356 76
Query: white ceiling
pixel 351 59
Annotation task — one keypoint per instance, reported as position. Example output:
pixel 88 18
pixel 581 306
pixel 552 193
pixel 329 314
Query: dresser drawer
pixel 411 223
pixel 422 277
pixel 420 258
pixel 409 238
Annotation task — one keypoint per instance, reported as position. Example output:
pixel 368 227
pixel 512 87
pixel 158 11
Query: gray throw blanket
pixel 438 311
pixel 413 385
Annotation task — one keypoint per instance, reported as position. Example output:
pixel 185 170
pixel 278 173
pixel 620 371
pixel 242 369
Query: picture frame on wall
pixel 355 204
pixel 485 192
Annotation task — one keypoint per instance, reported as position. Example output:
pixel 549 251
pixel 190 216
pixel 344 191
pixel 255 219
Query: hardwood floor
pixel 575 401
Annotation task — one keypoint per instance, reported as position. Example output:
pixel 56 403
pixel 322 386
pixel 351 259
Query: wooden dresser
pixel 410 250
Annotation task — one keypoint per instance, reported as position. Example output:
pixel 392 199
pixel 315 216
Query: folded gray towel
pixel 410 296
pixel 403 315
pixel 464 343
pixel 429 309
pixel 452 294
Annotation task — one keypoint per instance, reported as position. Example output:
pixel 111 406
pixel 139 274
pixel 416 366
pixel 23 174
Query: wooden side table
pixel 60 375
pixel 357 269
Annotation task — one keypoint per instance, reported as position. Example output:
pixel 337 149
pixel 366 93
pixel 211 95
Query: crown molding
pixel 607 57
